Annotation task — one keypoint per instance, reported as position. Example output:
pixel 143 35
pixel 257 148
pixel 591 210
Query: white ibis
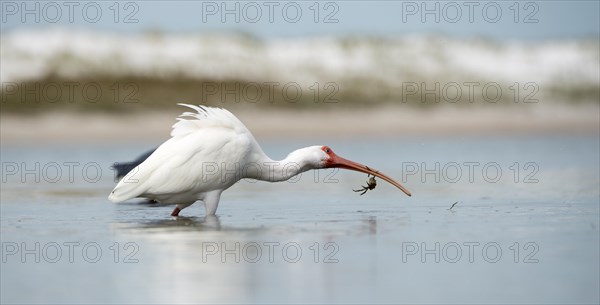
pixel 209 151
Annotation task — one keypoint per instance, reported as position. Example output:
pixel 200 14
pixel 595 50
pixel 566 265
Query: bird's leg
pixel 179 207
pixel 175 212
pixel 211 201
pixel 366 189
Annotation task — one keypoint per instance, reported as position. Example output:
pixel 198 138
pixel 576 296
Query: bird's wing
pixel 200 143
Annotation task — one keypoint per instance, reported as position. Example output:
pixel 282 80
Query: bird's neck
pixel 267 169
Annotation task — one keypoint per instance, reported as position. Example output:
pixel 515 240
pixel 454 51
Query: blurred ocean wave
pixel 363 67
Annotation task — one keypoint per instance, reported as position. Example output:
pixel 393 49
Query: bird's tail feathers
pixel 126 189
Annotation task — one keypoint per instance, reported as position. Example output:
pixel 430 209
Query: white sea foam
pixel 33 54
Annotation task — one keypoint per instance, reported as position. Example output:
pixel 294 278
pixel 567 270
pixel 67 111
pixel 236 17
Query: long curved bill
pixel 339 162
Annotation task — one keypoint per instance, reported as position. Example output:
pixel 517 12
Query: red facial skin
pixel 336 161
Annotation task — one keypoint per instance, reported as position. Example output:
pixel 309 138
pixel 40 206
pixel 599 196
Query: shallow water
pixel 527 236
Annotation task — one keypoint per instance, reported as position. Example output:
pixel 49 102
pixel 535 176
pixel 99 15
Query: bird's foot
pixel 175 212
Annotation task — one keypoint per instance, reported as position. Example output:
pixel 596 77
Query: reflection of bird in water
pixel 208 223
pixel 209 151
pixel 372 224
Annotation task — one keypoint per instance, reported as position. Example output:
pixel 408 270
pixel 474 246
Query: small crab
pixel 371 184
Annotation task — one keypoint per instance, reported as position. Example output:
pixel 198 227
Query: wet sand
pixel 385 121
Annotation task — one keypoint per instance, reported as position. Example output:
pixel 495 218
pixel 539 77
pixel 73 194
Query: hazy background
pixel 555 19
pixel 143 55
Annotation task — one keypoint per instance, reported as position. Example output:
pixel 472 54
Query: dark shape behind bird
pixel 125 167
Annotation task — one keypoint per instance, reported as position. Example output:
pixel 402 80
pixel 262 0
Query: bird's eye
pixel 328 150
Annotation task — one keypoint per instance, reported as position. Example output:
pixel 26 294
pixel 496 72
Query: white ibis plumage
pixel 209 151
